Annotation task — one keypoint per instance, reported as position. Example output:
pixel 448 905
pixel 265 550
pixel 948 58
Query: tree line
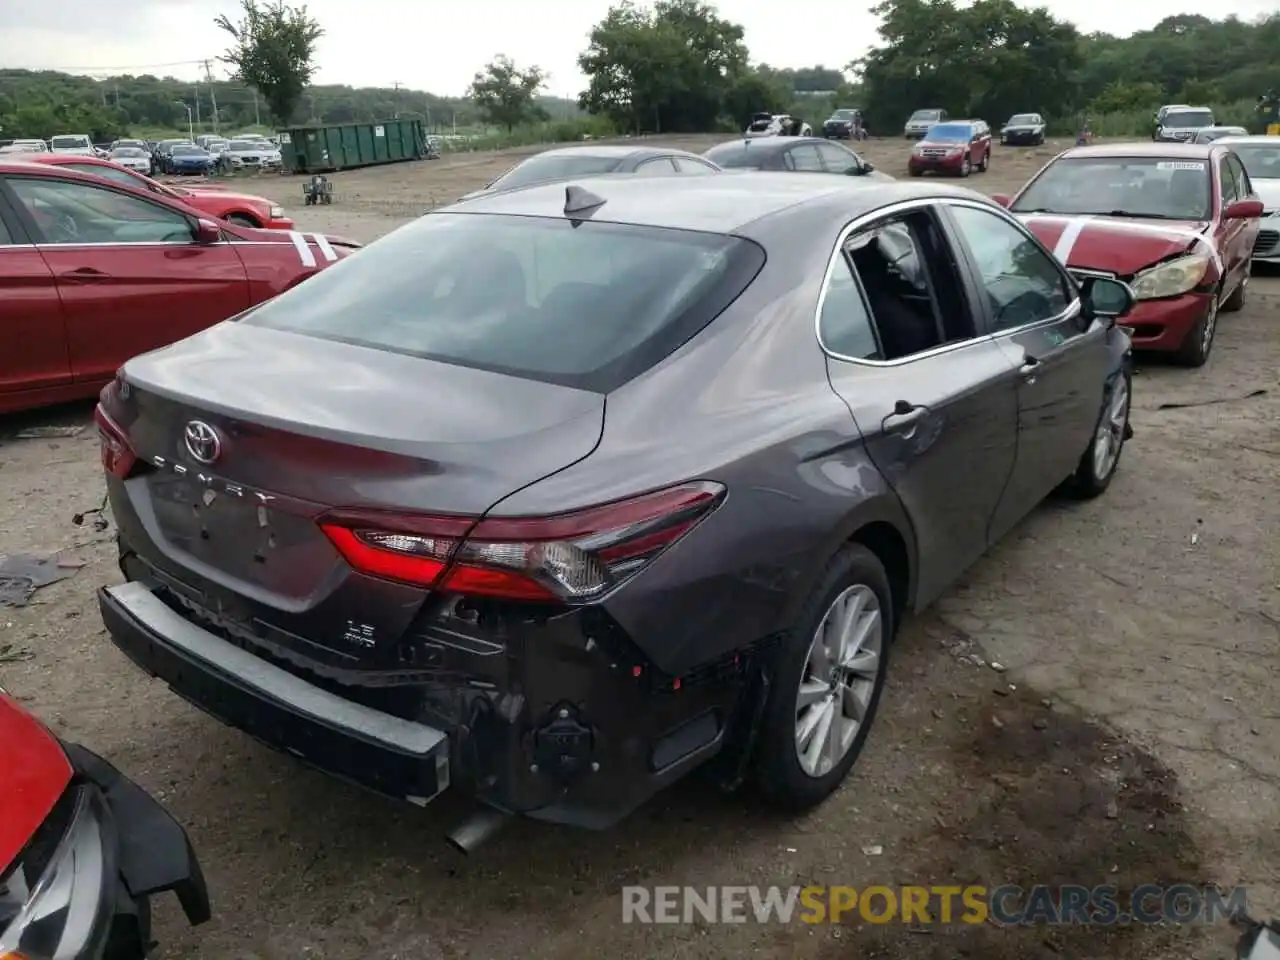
pixel 677 66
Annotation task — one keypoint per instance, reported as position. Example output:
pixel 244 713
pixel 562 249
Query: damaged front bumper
pixel 81 888
pixel 552 718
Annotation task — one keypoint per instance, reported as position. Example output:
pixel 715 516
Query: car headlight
pixel 276 212
pixel 1172 278
pixel 59 905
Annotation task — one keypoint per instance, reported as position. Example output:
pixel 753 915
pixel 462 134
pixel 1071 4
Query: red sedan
pixel 82 851
pixel 244 209
pixel 1175 221
pixel 93 273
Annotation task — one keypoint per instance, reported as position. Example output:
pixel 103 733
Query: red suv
pixel 955 147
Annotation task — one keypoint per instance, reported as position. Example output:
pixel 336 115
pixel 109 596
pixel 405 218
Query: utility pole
pixel 213 97
pixel 196 90
pixel 257 117
pixel 395 98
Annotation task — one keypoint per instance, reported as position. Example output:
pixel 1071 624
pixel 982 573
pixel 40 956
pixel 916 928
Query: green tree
pixel 506 96
pixel 669 68
pixel 273 52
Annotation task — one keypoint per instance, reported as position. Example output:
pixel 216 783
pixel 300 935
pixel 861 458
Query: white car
pixel 1261 158
pixel 252 154
pixel 132 158
pixel 25 146
pixel 773 125
pixel 73 143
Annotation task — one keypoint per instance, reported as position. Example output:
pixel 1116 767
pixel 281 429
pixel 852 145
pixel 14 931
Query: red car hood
pixel 1119 245
pixel 248 199
pixel 34 771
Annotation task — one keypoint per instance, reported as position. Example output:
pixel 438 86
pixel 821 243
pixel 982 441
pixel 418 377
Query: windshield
pixel 186 150
pixel 925 115
pixel 950 133
pixel 844 114
pixel 555 167
pixel 214 145
pixel 69 143
pixel 1261 160
pixel 238 145
pixel 1024 119
pixel 131 152
pixel 1161 189
pixel 586 305
pixel 1188 118
pixel 737 155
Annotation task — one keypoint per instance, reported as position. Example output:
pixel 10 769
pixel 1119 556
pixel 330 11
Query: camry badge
pixel 202 442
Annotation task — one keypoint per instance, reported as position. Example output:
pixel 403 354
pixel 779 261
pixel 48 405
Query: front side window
pixel 1227 183
pixel 1244 188
pixel 587 305
pixel 836 158
pixel 1151 187
pixel 1022 282
pixel 77 213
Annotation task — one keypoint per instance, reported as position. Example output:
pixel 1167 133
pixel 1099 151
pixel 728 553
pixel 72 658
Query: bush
pixel 552 131
pixel 1139 123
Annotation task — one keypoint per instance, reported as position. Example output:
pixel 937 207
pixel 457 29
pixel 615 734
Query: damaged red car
pixel 95 272
pixel 1175 221
pixel 82 852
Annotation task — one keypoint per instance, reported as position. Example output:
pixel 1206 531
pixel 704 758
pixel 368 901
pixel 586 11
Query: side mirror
pixel 206 231
pixel 1002 198
pixel 1243 210
pixel 1106 297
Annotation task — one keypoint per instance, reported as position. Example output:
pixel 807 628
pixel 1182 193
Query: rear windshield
pixel 587 307
pixel 947 132
pixel 737 155
pixel 556 167
pixel 1188 118
pixel 68 143
pixel 1261 160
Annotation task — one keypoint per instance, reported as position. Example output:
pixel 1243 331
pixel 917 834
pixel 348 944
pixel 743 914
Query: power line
pixel 128 66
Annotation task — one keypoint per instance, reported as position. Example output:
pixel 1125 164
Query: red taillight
pixel 572 557
pixel 118 458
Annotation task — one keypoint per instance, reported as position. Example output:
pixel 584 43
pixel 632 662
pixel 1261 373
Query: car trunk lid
pixel 303 426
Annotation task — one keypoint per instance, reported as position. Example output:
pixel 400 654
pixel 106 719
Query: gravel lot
pixel 1131 737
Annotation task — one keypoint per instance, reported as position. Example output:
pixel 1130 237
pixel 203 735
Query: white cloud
pixel 439 47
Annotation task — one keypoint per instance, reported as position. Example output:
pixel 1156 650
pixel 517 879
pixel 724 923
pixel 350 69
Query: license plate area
pixel 241 535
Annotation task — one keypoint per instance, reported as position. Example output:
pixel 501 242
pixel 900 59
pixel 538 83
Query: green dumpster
pixel 342 146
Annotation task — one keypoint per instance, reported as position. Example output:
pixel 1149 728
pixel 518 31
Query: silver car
pixel 554 496
pixel 1261 158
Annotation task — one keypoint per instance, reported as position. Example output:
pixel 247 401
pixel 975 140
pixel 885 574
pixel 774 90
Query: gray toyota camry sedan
pixel 555 496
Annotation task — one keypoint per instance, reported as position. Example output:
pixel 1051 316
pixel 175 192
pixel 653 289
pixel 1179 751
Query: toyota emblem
pixel 202 442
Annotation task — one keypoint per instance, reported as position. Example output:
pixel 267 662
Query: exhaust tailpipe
pixel 477 828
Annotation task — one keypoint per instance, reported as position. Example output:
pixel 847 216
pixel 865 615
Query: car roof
pixel 1260 138
pixel 1139 148
pixel 713 204
pixel 767 144
pixel 619 150
pixel 59 159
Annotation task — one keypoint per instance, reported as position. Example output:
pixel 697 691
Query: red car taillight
pixel 118 458
pixel 570 558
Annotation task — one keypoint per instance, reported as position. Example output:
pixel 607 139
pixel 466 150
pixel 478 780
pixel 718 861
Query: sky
pixel 438 48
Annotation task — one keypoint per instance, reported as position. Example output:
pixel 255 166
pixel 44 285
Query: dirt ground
pixel 1129 735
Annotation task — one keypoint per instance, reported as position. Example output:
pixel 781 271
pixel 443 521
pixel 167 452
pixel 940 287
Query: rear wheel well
pixel 244 219
pixel 884 540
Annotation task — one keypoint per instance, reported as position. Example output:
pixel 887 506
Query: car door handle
pixel 904 418
pixel 84 275
pixel 1030 368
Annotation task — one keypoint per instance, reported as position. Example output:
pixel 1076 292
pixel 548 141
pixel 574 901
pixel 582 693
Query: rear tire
pixel 1235 302
pixel 855 577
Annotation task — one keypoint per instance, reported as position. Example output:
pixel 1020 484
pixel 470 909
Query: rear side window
pixel 556 167
pixel 588 307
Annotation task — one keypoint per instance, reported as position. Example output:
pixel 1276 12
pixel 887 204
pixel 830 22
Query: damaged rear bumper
pixel 556 724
